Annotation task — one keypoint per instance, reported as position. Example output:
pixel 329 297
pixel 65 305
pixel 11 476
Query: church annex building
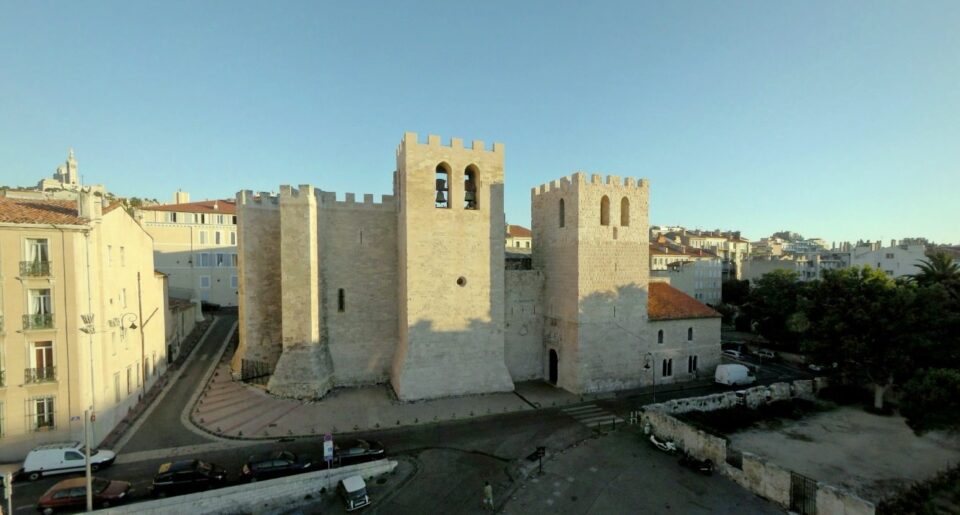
pixel 413 289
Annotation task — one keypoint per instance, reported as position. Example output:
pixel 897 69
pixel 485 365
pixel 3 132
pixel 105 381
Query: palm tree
pixel 939 268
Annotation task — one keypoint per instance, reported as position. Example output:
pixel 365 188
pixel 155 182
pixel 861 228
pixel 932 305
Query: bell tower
pixel 451 274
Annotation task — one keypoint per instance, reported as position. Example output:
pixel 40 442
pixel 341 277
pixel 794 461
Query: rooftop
pixel 665 302
pixel 518 231
pixel 218 206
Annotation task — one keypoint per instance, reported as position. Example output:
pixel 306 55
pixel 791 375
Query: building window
pixel 341 300
pixel 624 212
pixel 109 255
pixel 38 251
pixel 233 281
pixel 216 237
pixel 660 336
pixel 689 334
pixel 123 297
pixel 123 257
pixel 563 215
pixel 39 310
pixel 233 238
pixel 42 367
pixel 234 220
pixel 667 369
pixel 528 244
pixel 116 388
pixel 42 413
pixel 204 259
pixel 233 260
pixel 171 217
pixel 889 256
pixel 204 281
pixel 605 211
pixel 138 374
pixel 129 380
pixel 442 186
pixel 203 218
pixel 220 219
pixel 203 237
pixel 691 364
pixel 470 188
pixel 219 259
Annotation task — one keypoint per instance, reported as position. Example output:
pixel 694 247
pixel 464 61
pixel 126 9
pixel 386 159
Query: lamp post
pixel 649 364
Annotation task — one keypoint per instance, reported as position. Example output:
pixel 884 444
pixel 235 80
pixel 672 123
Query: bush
pixel 931 400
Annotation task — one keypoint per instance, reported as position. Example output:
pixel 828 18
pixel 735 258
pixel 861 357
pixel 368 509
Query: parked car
pixel 63 457
pixel 188 476
pixel 351 452
pixel 766 354
pixel 275 464
pixel 732 353
pixel 72 494
pixel 353 491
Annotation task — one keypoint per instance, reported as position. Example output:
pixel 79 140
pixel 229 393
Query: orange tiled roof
pixel 665 302
pixel 518 231
pixel 223 207
pixel 35 211
pixel 673 250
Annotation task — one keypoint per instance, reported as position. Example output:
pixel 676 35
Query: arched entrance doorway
pixel 554 362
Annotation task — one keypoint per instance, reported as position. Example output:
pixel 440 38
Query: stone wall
pixel 523 324
pixel 358 256
pixel 697 442
pixel 764 478
pixel 705 345
pixel 259 497
pixel 833 500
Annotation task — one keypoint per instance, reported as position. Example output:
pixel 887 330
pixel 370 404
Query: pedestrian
pixel 487 496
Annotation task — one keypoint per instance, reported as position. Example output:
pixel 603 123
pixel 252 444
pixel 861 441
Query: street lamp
pixel 649 364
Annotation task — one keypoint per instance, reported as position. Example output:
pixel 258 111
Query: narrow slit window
pixel 341 301
pixel 624 212
pixel 442 200
pixel 689 334
pixel 563 214
pixel 660 336
pixel 605 211
pixel 470 187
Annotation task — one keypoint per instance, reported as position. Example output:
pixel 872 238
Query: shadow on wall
pixel 209 272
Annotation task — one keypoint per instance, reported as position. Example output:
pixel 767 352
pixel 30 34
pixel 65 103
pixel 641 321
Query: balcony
pixel 38 321
pixel 34 269
pixel 40 375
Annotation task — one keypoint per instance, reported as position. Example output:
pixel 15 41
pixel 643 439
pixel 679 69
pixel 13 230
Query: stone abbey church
pixel 413 289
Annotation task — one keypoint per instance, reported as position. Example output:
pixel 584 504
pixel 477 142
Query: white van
pixel 63 457
pixel 733 375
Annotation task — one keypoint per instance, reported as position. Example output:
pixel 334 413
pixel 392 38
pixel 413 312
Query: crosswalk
pixel 592 415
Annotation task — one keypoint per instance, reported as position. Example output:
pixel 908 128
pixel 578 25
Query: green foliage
pixel 774 300
pixel 735 292
pixel 931 400
pixel 940 269
pixel 787 235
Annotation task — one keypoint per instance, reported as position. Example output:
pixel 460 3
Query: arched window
pixel 341 301
pixel 660 336
pixel 563 215
pixel 442 200
pixel 690 334
pixel 605 211
pixel 624 212
pixel 470 184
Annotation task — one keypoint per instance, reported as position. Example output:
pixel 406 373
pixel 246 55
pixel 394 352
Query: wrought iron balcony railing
pixel 35 269
pixel 38 321
pixel 40 375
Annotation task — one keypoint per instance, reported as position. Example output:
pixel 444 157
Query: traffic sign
pixel 328 447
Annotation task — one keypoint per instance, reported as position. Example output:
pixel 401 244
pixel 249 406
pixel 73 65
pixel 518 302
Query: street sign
pixel 328 447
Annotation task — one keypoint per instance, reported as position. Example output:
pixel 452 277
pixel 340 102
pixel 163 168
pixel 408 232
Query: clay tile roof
pixel 518 231
pixel 35 211
pixel 665 302
pixel 223 207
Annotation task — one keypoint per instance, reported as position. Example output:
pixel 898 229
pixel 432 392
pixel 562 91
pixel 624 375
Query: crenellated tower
pixel 590 238
pixel 450 224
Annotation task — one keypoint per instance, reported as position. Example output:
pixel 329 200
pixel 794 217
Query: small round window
pixel 461 281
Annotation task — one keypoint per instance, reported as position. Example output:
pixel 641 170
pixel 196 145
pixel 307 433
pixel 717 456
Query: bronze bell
pixel 470 196
pixel 441 199
pixel 441 185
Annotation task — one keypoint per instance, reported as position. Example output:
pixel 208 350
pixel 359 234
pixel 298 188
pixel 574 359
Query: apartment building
pixel 700 279
pixel 81 319
pixel 729 246
pixel 195 244
pixel 519 239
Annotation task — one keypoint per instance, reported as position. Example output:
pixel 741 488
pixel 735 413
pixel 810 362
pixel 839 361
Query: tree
pixel 787 236
pixel 735 292
pixel 931 400
pixel 939 268
pixel 773 305
pixel 870 325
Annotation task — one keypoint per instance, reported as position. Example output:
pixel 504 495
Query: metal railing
pixel 38 321
pixel 40 375
pixel 35 269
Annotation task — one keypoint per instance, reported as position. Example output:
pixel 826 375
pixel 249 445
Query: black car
pixel 351 452
pixel 275 464
pixel 188 476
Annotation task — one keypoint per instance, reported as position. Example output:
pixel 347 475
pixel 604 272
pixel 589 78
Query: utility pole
pixel 86 451
pixel 143 352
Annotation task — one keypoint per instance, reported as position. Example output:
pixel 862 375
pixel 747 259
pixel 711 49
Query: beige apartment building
pixel 81 319
pixel 519 239
pixel 195 244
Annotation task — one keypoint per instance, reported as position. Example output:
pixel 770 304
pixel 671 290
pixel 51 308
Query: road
pixel 460 455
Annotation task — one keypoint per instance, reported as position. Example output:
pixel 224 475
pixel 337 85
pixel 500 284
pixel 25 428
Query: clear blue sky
pixel 833 119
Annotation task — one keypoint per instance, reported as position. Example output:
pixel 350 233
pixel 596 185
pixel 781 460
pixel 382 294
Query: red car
pixel 72 494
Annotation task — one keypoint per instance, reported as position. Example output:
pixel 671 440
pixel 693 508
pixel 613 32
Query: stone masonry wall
pixel 358 254
pixel 523 324
pixel 258 244
pixel 705 346
pixel 451 264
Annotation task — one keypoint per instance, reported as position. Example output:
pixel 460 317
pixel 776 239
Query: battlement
pixel 245 197
pixel 410 139
pixel 328 200
pixel 581 179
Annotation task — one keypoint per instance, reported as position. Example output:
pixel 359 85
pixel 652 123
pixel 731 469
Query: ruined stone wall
pixel 523 324
pixel 705 346
pixel 259 270
pixel 451 263
pixel 358 255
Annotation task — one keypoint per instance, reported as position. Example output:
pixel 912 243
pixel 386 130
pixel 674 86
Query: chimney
pixel 216 205
pixel 88 206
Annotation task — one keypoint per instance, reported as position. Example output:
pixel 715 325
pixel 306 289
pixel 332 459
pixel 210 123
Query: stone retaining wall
pixel 256 497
